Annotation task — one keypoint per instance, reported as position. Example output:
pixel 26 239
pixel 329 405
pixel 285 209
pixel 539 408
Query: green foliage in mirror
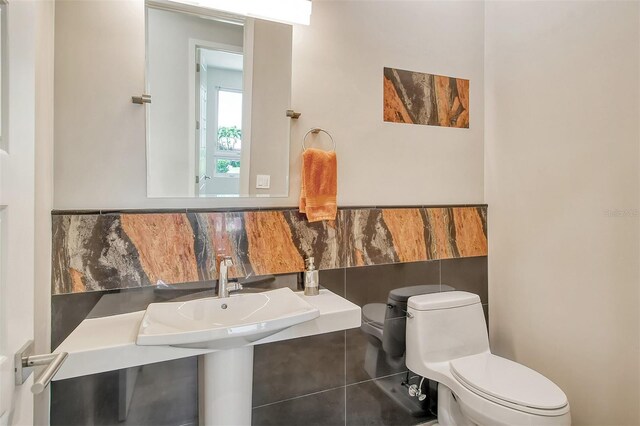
pixel 229 138
pixel 227 166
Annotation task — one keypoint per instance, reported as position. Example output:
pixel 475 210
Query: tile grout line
pixel 377 378
pixel 329 390
pixel 345 353
pixel 297 397
pixel 345 374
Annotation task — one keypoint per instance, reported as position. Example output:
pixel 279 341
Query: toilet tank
pixel 394 336
pixel 444 326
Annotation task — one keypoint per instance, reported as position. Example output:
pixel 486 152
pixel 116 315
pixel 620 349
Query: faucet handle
pixel 234 286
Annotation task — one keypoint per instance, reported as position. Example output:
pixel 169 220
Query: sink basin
pixel 223 323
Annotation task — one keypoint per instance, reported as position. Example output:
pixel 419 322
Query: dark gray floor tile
pixel 334 280
pixel 384 402
pixel 371 284
pixel 319 409
pixel 291 368
pixel 366 358
pixel 467 274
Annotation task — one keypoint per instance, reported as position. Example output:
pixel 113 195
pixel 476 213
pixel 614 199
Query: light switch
pixel 263 181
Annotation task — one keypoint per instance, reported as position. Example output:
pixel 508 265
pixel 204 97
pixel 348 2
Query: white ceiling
pixel 224 60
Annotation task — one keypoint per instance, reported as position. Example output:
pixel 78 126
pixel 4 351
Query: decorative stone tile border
pixel 94 251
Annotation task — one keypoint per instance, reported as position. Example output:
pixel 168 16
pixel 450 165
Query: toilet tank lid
pixel 443 300
pixel 402 294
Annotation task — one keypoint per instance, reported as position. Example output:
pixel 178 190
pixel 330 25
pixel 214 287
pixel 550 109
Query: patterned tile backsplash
pixel 94 252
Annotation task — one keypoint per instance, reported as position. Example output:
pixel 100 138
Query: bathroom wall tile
pixel 165 246
pixel 373 283
pixel 438 239
pixel 384 402
pixel 334 280
pixel 319 409
pixel 470 225
pixel 291 368
pixel 264 242
pixel 467 274
pixel 322 240
pixel 93 252
pixel 159 394
pixel 68 311
pixel 407 230
pixel 270 241
pixel 366 359
pixel 368 239
pixel 456 232
pixel 220 233
pixel 151 404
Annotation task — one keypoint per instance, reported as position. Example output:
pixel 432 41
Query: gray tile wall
pixel 332 379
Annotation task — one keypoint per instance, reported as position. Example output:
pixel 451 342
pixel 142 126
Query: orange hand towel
pixel 319 185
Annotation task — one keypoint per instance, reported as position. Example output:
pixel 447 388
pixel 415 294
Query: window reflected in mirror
pixel 220 121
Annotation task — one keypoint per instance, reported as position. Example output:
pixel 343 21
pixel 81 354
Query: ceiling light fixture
pixel 285 11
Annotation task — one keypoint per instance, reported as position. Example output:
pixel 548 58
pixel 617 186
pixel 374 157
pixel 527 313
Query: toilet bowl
pixel 447 342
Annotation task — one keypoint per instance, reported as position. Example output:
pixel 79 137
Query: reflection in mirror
pixel 220 91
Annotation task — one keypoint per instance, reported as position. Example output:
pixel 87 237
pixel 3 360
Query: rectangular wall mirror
pixel 220 86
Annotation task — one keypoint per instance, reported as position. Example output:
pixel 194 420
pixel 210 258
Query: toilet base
pixel 449 412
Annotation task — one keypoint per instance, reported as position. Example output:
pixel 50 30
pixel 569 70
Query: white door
pixel 17 207
pixel 201 127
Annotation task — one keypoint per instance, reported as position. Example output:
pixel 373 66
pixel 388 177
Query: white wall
pixel 562 105
pixel 169 127
pixel 337 84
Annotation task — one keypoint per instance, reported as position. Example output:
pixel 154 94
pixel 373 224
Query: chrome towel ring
pixel 317 130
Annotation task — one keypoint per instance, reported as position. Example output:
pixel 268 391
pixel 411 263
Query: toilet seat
pixel 508 383
pixel 374 314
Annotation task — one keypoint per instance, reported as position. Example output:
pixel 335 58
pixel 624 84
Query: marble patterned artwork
pixel 421 98
pixel 110 251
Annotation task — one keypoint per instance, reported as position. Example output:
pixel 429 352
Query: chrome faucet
pixel 224 287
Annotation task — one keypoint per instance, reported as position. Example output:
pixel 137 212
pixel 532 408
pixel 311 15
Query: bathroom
pixel 143 169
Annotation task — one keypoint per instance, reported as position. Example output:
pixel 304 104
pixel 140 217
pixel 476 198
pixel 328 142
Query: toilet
pixel 384 325
pixel 447 342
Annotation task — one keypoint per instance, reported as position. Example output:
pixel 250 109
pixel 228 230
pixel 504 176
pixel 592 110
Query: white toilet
pixel 447 342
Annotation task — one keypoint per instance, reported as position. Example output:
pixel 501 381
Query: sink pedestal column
pixel 225 382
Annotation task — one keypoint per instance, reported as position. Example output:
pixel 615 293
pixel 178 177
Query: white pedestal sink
pixel 225 382
pixel 230 325
pixel 110 343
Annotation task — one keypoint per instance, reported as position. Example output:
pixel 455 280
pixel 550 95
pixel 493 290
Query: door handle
pixel 25 363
